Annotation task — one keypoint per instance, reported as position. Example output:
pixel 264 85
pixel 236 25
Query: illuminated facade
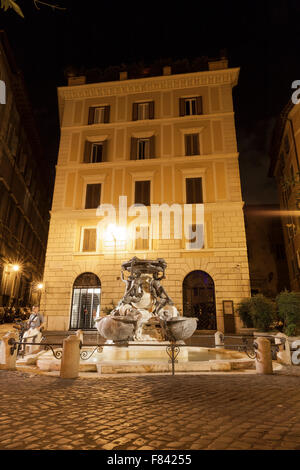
pixel 285 167
pixel 24 191
pixel 165 139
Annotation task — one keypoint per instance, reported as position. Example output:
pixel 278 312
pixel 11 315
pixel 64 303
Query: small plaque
pixel 228 307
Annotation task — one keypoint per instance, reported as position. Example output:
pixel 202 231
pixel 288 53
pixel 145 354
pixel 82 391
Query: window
pixel 95 152
pixel 142 148
pixel 142 192
pixel 142 237
pixel 190 106
pixel 99 114
pixel 196 237
pixel 194 194
pixel 142 111
pixel 85 301
pixel 89 238
pixel 191 144
pixel 92 197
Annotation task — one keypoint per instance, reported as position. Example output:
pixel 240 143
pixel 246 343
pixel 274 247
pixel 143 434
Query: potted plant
pixel 288 308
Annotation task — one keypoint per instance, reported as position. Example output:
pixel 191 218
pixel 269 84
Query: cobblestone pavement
pixel 213 411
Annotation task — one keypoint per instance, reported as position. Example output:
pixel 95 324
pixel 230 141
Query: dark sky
pixel 261 37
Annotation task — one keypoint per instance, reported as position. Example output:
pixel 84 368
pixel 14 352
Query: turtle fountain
pixel 145 299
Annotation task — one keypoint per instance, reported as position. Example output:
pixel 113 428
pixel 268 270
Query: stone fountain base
pixel 136 359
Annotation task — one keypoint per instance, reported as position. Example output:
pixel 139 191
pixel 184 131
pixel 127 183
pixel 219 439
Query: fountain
pixel 145 299
pixel 143 330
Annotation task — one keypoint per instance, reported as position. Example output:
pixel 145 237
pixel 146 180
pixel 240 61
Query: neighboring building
pixel 24 191
pixel 285 167
pixel 163 139
pixel 266 252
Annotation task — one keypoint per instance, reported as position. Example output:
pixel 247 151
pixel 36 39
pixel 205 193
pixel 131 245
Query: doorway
pixel 199 299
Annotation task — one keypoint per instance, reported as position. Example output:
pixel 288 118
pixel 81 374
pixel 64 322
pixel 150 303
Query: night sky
pixel 262 38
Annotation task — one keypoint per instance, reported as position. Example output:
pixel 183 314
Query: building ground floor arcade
pixel 207 284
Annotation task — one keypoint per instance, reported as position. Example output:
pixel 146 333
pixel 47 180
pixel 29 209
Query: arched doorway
pixel 198 291
pixel 85 301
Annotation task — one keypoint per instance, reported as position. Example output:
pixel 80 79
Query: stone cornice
pixel 74 215
pixel 200 160
pixel 150 84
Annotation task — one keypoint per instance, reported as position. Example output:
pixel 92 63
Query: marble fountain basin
pixel 152 358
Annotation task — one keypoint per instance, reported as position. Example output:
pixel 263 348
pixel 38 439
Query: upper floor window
pixel 194 193
pixel 142 148
pixel 99 114
pixel 142 193
pixel 95 152
pixel 142 237
pixel 89 239
pixel 190 106
pixel 142 111
pixel 93 195
pixel 192 144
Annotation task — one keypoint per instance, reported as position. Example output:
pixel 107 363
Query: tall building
pixel 285 167
pixel 266 252
pixel 167 139
pixel 24 190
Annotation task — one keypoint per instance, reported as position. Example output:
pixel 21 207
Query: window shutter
pixel 195 138
pixel 87 151
pixel 189 191
pixel 105 151
pixel 133 150
pixel 152 147
pixel 151 110
pixel 194 194
pixel 89 240
pixel 138 192
pixel 91 118
pixel 146 193
pixel 134 111
pixel 181 107
pixel 188 144
pixel 198 190
pixel 199 107
pixel 93 192
pixel 106 114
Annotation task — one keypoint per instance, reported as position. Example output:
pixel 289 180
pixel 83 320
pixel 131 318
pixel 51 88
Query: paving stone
pixel 150 412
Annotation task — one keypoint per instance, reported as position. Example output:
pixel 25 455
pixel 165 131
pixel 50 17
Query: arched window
pixel 85 301
pixel 198 291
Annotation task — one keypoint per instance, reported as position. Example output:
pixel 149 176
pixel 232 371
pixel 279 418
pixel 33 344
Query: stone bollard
pixel 219 340
pixel 263 359
pixel 284 353
pixel 70 357
pixel 79 334
pixel 8 360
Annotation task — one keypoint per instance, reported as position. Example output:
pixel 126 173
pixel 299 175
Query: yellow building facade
pixel 169 140
pixel 285 167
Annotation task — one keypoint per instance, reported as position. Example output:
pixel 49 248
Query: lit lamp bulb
pixel 16 267
pixel 116 232
pixel 40 286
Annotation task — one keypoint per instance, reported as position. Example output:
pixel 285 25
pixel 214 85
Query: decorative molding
pixel 152 84
pixel 157 121
pixel 199 159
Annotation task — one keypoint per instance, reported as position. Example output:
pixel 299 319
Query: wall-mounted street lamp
pixel 116 233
